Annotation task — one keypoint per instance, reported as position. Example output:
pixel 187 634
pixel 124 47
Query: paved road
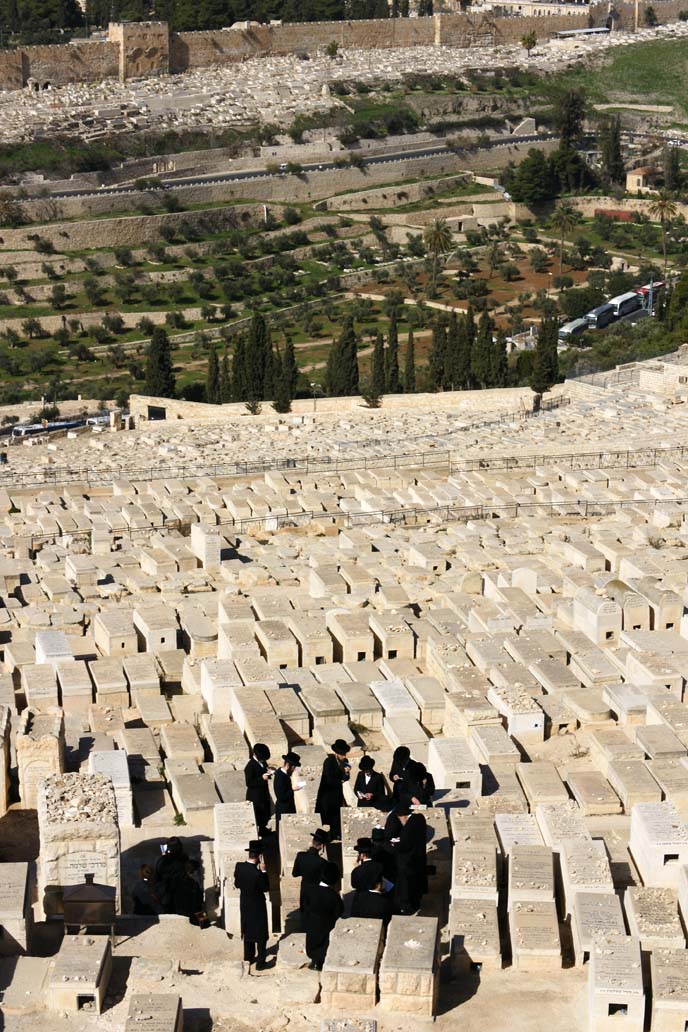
pixel 318 166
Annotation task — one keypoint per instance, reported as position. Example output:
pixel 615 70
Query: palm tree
pixel 664 211
pixel 437 238
pixel 564 219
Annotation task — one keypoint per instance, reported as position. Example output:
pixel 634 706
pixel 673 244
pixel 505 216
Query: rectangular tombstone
pixel 659 741
pixel 111 684
pixel 491 744
pixel 615 985
pixel 80 974
pixel 154 710
pixel 594 914
pixel 584 868
pixel 474 872
pixel 431 698
pixel 79 835
pixel 541 783
pixel 115 766
pixel 225 741
pixel 142 752
pixel 502 792
pixel 219 678
pixel 453 766
pixel 395 699
pixel 409 972
pixel 40 752
pixel 40 686
pixel 633 783
pixel 180 741
pixel 195 797
pixel 658 843
pixel 653 918
pixel 349 974
pixel 531 874
pixel 672 777
pixel 156 1012
pixel 669 990
pixel 16 914
pixel 593 793
pixel 76 687
pixel 473 935
pixel 403 729
pixel 52 647
pixel 534 930
pixel 517 829
pixel 324 704
pixel 142 675
pixel 361 706
pixel 560 822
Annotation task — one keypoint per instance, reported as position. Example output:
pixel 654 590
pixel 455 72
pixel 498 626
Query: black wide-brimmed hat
pixel 367 763
pixel 378 835
pixel 340 747
pixel 254 846
pixel 292 758
pixel 261 752
pixel 320 836
pixel 402 754
pixel 403 811
pixel 364 845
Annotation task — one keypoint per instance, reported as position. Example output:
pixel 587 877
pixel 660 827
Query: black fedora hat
pixel 320 836
pixel 292 758
pixel 254 846
pixel 261 752
pixel 364 845
pixel 340 747
pixel 378 835
pixel 366 763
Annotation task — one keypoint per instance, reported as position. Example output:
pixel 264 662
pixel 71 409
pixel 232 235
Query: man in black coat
pixel 257 775
pixel 369 786
pixel 366 868
pixel 250 878
pixel 284 792
pixel 418 786
pixel 411 852
pixel 322 908
pixel 330 798
pixel 397 774
pixel 310 863
pixel 384 854
pixel 372 901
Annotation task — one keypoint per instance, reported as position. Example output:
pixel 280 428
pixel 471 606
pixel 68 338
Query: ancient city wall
pixel 148 48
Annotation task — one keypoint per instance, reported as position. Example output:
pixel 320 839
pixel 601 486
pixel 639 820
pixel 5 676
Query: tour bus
pixel 600 317
pixel 572 329
pixel 624 304
pixel 29 430
pixel 49 428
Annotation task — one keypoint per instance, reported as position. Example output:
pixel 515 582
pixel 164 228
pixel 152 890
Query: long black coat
pixel 377 786
pixel 284 794
pixel 385 856
pixel 372 904
pixel 322 908
pixel 309 865
pixel 257 791
pixel 330 796
pixel 363 871
pixel 252 885
pixel 400 770
pixel 410 789
pixel 412 875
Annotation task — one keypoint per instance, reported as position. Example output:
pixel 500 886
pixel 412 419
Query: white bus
pixel 624 304
pixel 572 329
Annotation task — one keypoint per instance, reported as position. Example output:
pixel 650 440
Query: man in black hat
pixel 418 786
pixel 284 791
pixel 250 878
pixel 383 854
pixel 369 786
pixel 364 865
pixel 257 775
pixel 411 853
pixel 372 900
pixel 330 798
pixel 309 864
pixel 322 908
pixel 397 774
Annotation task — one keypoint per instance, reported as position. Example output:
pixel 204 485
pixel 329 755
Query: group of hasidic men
pixel 391 875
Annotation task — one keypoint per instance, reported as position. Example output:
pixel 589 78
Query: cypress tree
pixel 341 375
pixel 240 386
pixel 437 355
pixel 450 380
pixel 546 363
pixel 410 365
pixel 225 383
pixel 213 378
pixel 282 394
pixel 258 359
pixel 290 370
pixel 392 357
pixel 481 352
pixel 462 367
pixel 499 363
pixel 377 378
pixel 160 380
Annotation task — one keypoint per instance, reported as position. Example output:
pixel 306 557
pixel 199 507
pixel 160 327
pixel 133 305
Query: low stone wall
pixel 509 399
pixel 587 206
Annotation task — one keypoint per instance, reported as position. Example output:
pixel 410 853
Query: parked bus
pixel 572 329
pixel 28 430
pixel 600 317
pixel 624 304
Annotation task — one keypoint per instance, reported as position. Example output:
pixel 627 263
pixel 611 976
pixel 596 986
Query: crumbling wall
pixel 85 61
pixel 144 48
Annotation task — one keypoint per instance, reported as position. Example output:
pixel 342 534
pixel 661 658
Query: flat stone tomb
pixel 593 793
pixel 156 1012
pixel 615 985
pixel 560 822
pixel 594 914
pixel 669 989
pixel 80 974
pixel 534 931
pixel 517 829
pixel 653 917
pixel 658 843
pixel 15 908
pixel 584 868
pixel 349 975
pixel 408 972
pixel 474 935
pixel 531 874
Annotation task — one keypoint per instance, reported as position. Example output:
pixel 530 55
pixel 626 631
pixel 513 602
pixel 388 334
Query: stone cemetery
pixel 507 603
